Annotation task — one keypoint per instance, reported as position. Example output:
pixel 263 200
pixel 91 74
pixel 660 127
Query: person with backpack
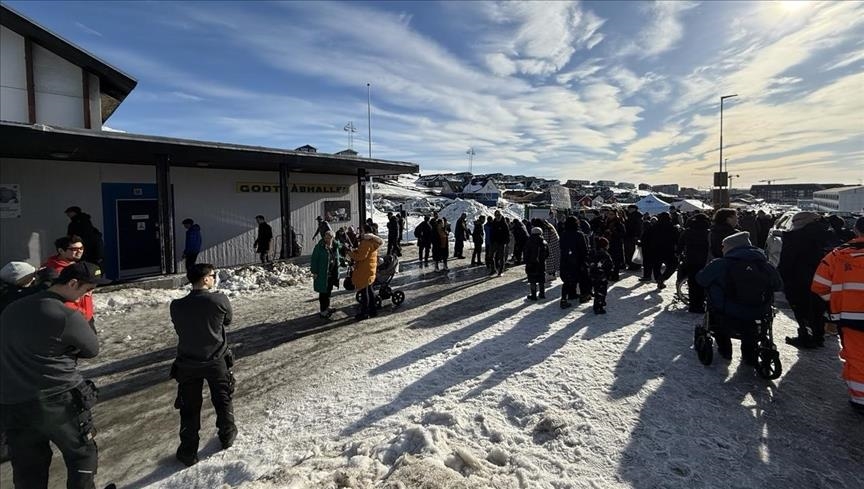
pixel 838 281
pixel 423 233
pixel 741 288
pixel 804 246
pixel 536 252
pixel 601 269
pixel 477 235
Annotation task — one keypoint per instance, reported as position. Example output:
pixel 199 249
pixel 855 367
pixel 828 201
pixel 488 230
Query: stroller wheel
pixel 378 302
pixel 398 297
pixel 768 364
pixel 703 343
pixel 358 297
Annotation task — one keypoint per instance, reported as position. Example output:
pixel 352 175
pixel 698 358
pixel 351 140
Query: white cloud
pixel 663 31
pixel 88 30
pixel 541 37
pixel 847 59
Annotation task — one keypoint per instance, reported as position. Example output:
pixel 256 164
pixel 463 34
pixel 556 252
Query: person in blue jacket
pixel 193 242
pixel 741 288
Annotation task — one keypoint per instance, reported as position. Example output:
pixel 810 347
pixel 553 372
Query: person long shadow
pixel 619 311
pixel 510 352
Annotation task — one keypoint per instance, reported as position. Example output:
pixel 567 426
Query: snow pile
pixel 474 209
pixel 258 277
pixel 231 281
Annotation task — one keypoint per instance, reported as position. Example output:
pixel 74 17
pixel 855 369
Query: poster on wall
pixel 337 210
pixel 10 201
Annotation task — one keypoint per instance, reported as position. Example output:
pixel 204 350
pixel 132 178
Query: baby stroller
pixel 381 287
pixel 768 364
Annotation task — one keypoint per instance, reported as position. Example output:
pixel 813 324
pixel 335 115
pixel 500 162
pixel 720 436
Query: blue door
pixel 130 216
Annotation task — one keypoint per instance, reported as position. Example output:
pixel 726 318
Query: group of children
pixel 600 268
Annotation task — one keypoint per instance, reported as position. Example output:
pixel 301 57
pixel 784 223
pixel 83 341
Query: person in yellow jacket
pixel 839 280
pixel 365 267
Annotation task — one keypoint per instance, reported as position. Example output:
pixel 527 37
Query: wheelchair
pixel 768 364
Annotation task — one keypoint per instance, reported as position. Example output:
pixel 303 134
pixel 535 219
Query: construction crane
pixel 776 180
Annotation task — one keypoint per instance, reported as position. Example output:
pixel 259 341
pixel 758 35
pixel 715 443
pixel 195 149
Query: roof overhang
pixel 114 84
pixel 41 142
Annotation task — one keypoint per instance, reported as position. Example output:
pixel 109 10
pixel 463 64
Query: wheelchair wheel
pixel 768 364
pixel 682 291
pixel 398 298
pixel 704 346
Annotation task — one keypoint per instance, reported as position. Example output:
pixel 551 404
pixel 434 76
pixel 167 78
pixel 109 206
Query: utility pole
pixel 351 130
pixel 470 154
pixel 369 129
pixel 721 179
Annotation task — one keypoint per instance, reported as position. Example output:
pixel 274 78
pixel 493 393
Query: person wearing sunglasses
pixel 70 250
pixel 203 354
pixel 43 396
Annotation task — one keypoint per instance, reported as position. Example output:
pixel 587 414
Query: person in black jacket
pixel 647 267
pixel 520 236
pixel 633 232
pixel 725 224
pixel 262 242
pixel 694 247
pixel 393 235
pixel 536 252
pixel 43 397
pixel 615 233
pixel 804 246
pixel 423 233
pixel 600 268
pixel 662 239
pixel 460 235
pixel 500 236
pixel 200 319
pixel 81 225
pixel 574 256
pixel 478 235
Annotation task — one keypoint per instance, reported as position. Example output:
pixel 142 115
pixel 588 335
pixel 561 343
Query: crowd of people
pixel 47 320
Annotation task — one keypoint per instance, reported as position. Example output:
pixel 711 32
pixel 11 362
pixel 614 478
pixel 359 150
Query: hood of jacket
pixel 748 253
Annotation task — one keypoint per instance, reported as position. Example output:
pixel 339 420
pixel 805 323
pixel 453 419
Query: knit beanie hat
pixel 802 219
pixel 536 230
pixel 735 240
pixel 602 243
pixel 14 271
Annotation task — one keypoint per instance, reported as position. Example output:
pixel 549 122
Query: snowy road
pixel 468 385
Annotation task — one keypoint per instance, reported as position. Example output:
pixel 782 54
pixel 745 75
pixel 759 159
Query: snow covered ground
pixel 468 385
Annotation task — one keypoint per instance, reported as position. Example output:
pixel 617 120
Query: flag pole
pixel 369 129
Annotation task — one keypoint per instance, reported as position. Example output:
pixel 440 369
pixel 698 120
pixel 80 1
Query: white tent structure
pixel 689 205
pixel 650 204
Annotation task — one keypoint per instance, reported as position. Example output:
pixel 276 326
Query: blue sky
pixel 589 90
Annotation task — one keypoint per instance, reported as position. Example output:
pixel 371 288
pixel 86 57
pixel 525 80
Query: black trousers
pixel 393 245
pixel 477 253
pixel 518 248
pixel 64 420
pixel 600 288
pixel 568 289
pixel 498 258
pixel 724 328
pixel 809 311
pixel 190 261
pixel 265 256
pixel 661 275
pixel 696 293
pixel 190 381
pixel 425 249
pixel 458 249
pixel 324 300
pixel 367 301
pixel 629 249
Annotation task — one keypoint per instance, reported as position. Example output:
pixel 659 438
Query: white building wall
pixel 47 189
pixel 59 90
pixel 852 200
pixel 13 77
pixel 208 196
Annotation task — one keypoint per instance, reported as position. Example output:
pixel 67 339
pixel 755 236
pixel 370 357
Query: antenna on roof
pixel 351 130
pixel 470 154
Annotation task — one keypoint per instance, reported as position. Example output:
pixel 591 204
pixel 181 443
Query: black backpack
pixel 748 283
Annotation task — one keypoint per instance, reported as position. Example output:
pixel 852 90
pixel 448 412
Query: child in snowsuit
pixel 601 268
pixel 535 254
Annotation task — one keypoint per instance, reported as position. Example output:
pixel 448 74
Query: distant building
pixel 644 186
pixel 790 192
pixel 451 188
pixel 667 188
pixel 483 191
pixel 605 183
pixel 345 152
pixel 626 185
pixel 432 181
pixel 840 199
pixel 577 183
pixel 307 149
pixel 585 201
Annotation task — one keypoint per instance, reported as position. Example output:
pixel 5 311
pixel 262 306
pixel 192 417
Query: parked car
pixel 774 243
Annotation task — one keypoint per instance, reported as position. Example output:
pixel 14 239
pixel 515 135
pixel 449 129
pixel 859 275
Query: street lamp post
pixel 722 98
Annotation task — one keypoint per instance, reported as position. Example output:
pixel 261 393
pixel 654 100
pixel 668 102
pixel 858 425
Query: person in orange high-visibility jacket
pixel 839 280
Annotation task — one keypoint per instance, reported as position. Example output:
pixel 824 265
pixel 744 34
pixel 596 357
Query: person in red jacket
pixel 69 251
pixel 839 280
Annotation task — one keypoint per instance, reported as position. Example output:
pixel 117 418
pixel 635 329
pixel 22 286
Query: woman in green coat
pixel 325 271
